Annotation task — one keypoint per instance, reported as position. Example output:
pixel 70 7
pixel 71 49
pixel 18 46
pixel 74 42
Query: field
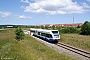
pixel 80 41
pixel 27 49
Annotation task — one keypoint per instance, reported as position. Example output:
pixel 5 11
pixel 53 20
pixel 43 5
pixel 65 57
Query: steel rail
pixel 74 49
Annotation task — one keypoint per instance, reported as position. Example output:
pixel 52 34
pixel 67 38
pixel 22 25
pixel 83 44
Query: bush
pixel 85 29
pixel 70 30
pixel 19 34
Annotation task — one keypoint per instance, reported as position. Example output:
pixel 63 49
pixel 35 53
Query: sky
pixel 36 12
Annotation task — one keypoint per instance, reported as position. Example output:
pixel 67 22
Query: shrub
pixel 70 30
pixel 19 34
pixel 85 29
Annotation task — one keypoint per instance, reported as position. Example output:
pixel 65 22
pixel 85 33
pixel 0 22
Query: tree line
pixel 83 30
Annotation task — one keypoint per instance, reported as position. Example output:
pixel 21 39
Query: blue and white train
pixel 51 36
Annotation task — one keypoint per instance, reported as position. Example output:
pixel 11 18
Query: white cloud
pixel 5 14
pixel 24 17
pixel 9 15
pixel 88 0
pixel 47 17
pixel 55 7
pixel 85 5
pixel 23 7
pixel 25 1
pixel 29 17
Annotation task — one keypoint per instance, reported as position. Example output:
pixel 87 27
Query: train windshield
pixel 55 32
pixel 56 36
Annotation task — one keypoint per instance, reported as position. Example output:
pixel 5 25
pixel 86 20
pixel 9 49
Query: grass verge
pixel 80 41
pixel 27 49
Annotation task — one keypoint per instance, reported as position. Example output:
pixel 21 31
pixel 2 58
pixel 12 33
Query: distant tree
pixel 85 29
pixel 58 27
pixel 70 30
pixel 46 27
pixel 42 27
pixel 53 27
pixel 78 26
pixel 19 34
pixel 36 26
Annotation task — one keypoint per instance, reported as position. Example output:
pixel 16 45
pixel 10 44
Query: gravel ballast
pixel 61 50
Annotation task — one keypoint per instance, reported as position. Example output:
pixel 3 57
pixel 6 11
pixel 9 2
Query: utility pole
pixel 73 19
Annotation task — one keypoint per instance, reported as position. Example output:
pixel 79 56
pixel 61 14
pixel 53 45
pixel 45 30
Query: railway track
pixel 75 50
pixel 67 49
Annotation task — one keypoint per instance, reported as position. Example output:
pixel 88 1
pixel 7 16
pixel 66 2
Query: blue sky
pixel 35 12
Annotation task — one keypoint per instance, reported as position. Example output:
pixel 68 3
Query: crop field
pixel 80 41
pixel 27 49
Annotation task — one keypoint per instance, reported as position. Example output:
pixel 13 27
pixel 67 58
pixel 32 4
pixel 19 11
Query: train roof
pixel 43 30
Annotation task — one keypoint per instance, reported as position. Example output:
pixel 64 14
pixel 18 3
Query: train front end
pixel 56 36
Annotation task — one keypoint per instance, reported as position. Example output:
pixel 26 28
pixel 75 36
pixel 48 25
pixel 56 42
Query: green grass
pixel 27 49
pixel 80 41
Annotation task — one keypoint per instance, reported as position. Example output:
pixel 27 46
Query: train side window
pixel 48 35
pixel 54 32
pixel 32 31
pixel 38 33
pixel 42 34
pixel 45 34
